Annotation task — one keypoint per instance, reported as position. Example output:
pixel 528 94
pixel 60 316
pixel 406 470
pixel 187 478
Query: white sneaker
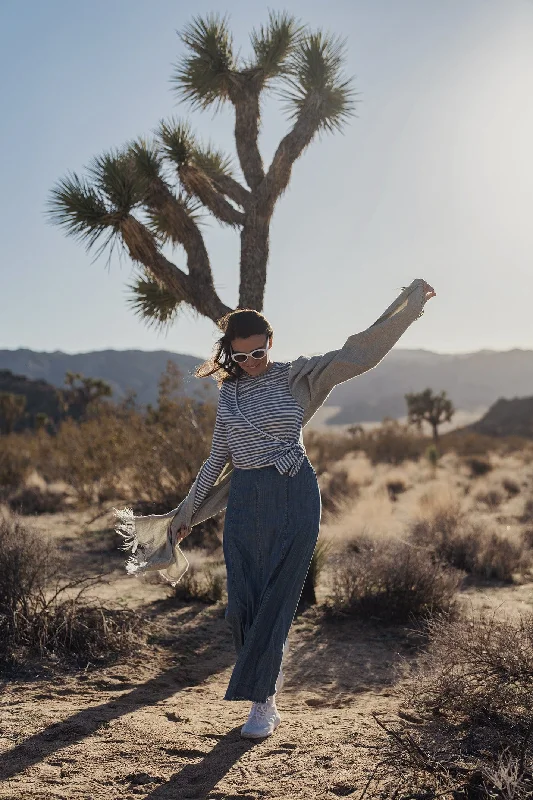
pixel 263 720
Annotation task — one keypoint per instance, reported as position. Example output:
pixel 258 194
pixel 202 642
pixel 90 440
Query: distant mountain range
pixel 473 381
pixel 507 418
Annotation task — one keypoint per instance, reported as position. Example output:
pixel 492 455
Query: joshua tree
pixel 433 408
pixel 75 400
pixel 12 407
pixel 148 193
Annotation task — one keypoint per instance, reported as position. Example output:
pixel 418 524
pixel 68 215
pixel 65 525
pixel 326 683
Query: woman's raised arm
pixel 311 378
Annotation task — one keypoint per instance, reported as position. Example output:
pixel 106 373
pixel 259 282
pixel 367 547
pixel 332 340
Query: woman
pixel 273 506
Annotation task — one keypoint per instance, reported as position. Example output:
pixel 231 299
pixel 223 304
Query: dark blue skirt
pixel 270 533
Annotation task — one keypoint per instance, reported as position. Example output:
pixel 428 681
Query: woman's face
pixel 253 366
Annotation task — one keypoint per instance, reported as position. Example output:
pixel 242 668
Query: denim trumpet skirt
pixel 270 533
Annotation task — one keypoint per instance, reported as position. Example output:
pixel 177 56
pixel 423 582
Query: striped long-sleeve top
pixel 258 424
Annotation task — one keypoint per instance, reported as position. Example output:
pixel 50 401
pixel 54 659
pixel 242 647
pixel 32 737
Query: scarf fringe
pixel 125 527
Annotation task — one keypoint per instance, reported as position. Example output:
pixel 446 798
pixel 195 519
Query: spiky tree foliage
pixel 150 192
pixel 428 407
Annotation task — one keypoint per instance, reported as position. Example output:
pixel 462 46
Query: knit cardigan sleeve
pixel 311 378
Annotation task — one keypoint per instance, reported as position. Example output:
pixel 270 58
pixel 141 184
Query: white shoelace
pixel 260 709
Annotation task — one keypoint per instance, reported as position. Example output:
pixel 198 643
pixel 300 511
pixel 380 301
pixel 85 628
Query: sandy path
pixel 159 728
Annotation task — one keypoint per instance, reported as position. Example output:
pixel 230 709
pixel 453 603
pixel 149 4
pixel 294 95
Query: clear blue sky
pixel 433 179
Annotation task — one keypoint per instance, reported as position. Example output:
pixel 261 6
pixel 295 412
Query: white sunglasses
pixel 258 353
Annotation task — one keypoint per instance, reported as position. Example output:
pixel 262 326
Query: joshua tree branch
pixel 195 289
pixel 197 183
pixel 182 229
pixel 231 188
pixel 245 98
pixel 289 149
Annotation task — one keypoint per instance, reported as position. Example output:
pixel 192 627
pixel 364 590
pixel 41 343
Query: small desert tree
pixel 12 407
pixel 148 194
pixel 76 399
pixel 429 407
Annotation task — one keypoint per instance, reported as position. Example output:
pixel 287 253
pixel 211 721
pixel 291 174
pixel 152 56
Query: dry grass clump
pixel 391 442
pixel 326 448
pixel 15 463
pixel 469 719
pixel 319 560
pixel 39 617
pixel 205 579
pixel 492 498
pixel 511 486
pixel 528 538
pixel 390 581
pixel 35 500
pixel 478 466
pixel 336 489
pixel 395 487
pixel 477 668
pixel 470 443
pixel 478 547
pixel 527 513
pixel 499 557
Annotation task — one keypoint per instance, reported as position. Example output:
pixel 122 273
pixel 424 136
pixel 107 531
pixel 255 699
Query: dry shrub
pixel 391 443
pixel 326 448
pixel 80 633
pixel 528 537
pixel 467 443
pixel 391 581
pixel 511 486
pixel 478 668
pixel 394 488
pixel 205 580
pixel 478 466
pixel 116 451
pixel 487 553
pixel 471 692
pixel 479 548
pixel 39 618
pixel 92 455
pixel 492 498
pixel 499 557
pixel 319 560
pixel 206 536
pixel 15 463
pixel 34 500
pixel 336 488
pixel 527 514
pixel 470 443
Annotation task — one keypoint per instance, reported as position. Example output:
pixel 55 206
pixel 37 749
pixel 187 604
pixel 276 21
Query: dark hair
pixel 241 323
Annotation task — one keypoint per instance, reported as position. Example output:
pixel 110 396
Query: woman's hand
pixel 429 291
pixel 183 532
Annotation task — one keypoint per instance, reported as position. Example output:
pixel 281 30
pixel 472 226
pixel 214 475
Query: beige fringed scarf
pixel 153 538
